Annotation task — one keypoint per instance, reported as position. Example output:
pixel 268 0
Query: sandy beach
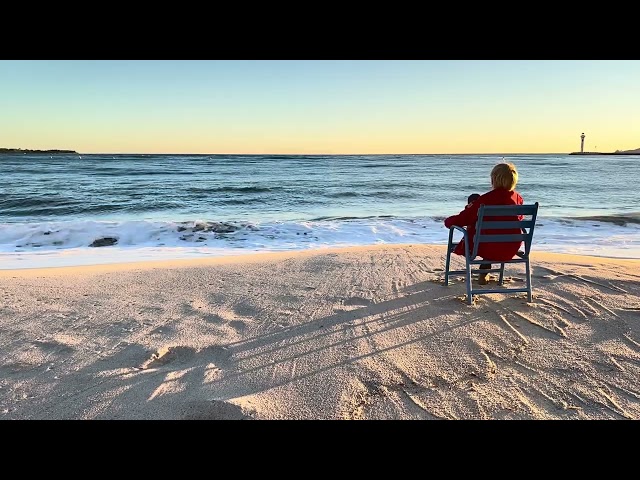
pixel 356 333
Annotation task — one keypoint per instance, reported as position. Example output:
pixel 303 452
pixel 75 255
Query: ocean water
pixel 54 211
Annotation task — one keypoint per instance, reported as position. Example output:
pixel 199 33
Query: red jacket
pixel 469 216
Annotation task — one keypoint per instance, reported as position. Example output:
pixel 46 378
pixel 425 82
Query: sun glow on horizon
pixel 315 107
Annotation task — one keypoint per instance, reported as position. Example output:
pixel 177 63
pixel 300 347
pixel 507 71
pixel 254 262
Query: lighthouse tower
pixel 582 143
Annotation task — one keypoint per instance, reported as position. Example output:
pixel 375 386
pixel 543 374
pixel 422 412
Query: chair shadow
pixel 187 383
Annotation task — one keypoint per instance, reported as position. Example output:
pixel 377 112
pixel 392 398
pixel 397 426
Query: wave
pixel 21 237
pixel 291 157
pixel 239 201
pixel 138 173
pixel 384 165
pixel 23 244
pixel 34 209
pixel 366 217
pixel 381 194
pixel 78 234
pixel 343 195
pixel 233 189
pixel 19 202
pixel 616 219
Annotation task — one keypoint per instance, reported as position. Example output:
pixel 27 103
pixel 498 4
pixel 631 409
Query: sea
pixel 78 209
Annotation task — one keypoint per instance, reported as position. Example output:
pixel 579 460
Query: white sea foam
pixel 30 245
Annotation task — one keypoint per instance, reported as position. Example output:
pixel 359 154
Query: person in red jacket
pixel 504 178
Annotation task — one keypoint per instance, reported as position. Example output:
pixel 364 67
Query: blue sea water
pixel 53 208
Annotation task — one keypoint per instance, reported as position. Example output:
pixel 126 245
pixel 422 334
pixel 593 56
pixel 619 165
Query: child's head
pixel 473 197
pixel 504 175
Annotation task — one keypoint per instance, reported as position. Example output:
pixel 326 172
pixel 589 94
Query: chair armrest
pixel 465 235
pixel 462 229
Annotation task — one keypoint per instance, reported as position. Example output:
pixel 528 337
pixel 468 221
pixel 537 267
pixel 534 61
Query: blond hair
pixel 504 175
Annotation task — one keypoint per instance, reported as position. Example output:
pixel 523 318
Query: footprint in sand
pixel 213 318
pixel 233 318
pixel 53 347
pixel 356 301
pixel 167 355
pixel 238 325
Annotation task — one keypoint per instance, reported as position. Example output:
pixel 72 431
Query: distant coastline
pixel 617 152
pixel 13 151
pixel 604 153
pixel 26 151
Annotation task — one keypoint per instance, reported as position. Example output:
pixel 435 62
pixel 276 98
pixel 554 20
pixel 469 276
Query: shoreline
pixel 267 256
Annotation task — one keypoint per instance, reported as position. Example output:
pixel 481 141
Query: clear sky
pixel 320 106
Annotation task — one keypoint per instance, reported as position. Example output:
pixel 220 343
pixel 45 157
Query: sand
pixel 357 333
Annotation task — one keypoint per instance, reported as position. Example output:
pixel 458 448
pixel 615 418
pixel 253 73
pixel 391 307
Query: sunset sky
pixel 320 106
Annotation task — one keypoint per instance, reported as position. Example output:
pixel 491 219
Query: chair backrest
pixel 486 213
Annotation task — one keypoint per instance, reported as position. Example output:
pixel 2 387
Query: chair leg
pixel 501 274
pixel 446 267
pixel 469 294
pixel 528 267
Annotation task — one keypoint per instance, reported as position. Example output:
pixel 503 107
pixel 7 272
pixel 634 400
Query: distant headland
pixel 617 152
pixel 20 151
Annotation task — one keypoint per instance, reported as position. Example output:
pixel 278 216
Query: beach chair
pixel 485 222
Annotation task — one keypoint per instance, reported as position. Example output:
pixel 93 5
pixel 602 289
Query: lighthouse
pixel 582 143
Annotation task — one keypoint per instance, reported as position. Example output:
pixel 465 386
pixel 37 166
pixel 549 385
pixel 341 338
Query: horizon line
pixel 319 154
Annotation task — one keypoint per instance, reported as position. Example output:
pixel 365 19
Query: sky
pixel 320 106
